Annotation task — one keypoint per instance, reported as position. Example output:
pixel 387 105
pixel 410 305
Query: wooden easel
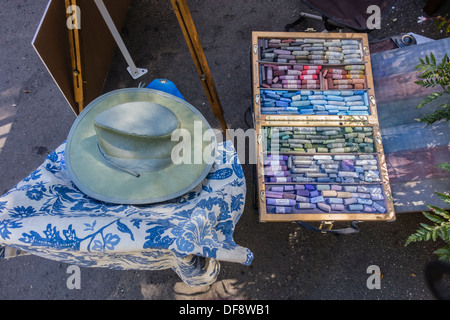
pixel 75 55
pixel 190 34
pixel 192 40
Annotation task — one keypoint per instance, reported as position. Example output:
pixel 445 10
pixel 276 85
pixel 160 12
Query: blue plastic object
pixel 165 86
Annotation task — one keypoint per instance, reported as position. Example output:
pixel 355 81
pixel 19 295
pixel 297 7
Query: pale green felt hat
pixel 120 148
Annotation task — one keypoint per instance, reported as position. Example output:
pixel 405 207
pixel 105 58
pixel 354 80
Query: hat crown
pixel 136 136
pixel 144 119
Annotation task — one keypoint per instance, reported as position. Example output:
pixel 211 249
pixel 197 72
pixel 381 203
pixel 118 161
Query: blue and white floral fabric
pixel 46 215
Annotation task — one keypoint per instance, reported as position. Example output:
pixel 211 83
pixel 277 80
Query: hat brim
pixel 96 178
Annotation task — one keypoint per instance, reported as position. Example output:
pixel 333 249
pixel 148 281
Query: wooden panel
pixel 317 215
pixel 51 42
pixel 257 62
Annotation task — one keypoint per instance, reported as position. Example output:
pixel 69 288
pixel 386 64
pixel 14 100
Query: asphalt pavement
pixel 290 263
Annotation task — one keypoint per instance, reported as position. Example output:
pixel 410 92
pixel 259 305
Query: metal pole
pixel 134 72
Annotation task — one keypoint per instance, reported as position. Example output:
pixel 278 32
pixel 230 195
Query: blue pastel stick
pixel 334 98
pixel 353 98
pixel 334 93
pixel 366 98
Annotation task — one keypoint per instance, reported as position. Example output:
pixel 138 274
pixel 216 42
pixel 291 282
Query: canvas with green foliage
pixel 433 75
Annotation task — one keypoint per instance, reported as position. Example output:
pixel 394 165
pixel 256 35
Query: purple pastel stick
pixel 294 72
pixel 269 76
pixel 337 207
pixel 347 162
pixel 377 196
pixel 278 51
pixel 289 188
pixel 275 167
pixel 277 157
pixel 281 202
pixel 274 163
pixel 317 199
pixel 369 209
pixel 289 196
pixel 271 194
pixel 304 193
pixel 277 173
pixel 289 77
pixel 301 205
pixel 286 56
pixel 277 209
pixel 324 207
pixel 276 85
pixel 314 193
pixel 280 179
pixel 350 201
pixel 277 67
pixel 276 189
pixel 302 199
pixel 270 65
pixel 291 81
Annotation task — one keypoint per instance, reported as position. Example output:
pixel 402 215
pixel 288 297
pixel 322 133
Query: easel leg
pixel 190 34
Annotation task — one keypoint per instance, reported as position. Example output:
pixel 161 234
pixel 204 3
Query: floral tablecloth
pixel 47 216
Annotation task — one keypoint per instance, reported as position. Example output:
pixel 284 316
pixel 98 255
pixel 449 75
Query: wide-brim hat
pixel 120 148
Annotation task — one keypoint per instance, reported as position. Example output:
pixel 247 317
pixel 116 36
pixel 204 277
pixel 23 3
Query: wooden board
pixel 51 42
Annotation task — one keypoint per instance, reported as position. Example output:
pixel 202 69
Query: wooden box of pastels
pixel 320 154
pixel 322 171
pixel 325 75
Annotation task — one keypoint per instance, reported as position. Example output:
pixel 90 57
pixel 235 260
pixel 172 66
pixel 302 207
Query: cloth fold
pixel 46 215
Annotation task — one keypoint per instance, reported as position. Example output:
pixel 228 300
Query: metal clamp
pixel 352 229
pixel 378 139
pixel 259 139
pixel 366 51
pixel 327 224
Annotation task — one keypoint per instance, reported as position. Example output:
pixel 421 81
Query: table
pixel 46 215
